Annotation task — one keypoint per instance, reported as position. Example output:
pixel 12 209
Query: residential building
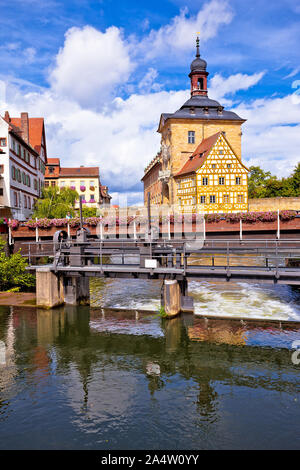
pixel 85 180
pixel 205 138
pixel 23 155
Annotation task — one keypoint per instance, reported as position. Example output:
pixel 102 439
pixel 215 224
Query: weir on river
pixel 175 262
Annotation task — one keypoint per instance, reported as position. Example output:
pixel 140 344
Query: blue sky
pixel 101 72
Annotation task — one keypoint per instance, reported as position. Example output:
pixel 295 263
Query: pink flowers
pixel 245 217
pixel 251 217
pixel 73 188
pixel 82 188
pixel 13 224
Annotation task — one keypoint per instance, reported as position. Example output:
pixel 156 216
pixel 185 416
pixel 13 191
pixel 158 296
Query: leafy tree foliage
pixel 55 203
pixel 13 274
pixel 89 211
pixel 263 184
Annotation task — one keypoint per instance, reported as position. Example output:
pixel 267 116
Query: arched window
pixel 200 83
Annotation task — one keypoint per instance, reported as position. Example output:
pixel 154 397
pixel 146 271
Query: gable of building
pixel 221 159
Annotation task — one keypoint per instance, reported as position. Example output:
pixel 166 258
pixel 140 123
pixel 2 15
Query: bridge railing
pixel 174 254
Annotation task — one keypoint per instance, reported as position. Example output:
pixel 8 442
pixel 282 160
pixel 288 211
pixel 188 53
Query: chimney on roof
pixel 25 127
pixel 7 116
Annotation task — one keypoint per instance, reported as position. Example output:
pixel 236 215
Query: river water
pixel 106 377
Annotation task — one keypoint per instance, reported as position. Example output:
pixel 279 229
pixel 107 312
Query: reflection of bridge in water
pixel 173 261
pixel 187 345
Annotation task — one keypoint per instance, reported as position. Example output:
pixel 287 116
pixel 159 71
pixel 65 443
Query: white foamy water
pixel 230 299
pixel 245 300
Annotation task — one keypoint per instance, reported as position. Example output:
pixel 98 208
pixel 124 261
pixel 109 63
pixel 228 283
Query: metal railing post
pixel 36 231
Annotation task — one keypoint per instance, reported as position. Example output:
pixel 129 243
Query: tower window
pixel 212 199
pixel 202 199
pixel 205 181
pixel 221 180
pixel 200 83
pixel 226 198
pixel 191 137
pixel 228 165
pixel 237 180
pixel 240 198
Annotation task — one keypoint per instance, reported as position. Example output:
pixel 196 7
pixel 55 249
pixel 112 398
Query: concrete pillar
pixel 49 288
pixel 77 290
pixel 172 298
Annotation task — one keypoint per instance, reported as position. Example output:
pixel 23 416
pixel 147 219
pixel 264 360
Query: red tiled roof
pixel 201 153
pixel 53 161
pixel 36 126
pixel 80 171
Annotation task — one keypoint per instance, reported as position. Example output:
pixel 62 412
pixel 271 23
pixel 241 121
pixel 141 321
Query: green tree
pixel 89 211
pixel 295 180
pixel 257 180
pixel 55 203
pixel 13 272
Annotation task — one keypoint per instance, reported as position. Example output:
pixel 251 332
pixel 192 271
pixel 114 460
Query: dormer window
pixel 206 110
pixel 192 110
pixel 51 169
pixel 220 110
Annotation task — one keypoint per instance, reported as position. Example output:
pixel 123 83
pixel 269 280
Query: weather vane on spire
pixel 197 46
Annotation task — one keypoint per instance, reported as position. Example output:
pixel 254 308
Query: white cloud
pixel 29 54
pixel 220 86
pixel 271 135
pixel 148 81
pixel 91 65
pixel 180 33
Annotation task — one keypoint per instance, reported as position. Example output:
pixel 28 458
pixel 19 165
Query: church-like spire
pixel 197 47
pixel 198 74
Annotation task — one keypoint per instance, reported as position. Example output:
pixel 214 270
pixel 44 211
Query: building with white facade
pixel 23 156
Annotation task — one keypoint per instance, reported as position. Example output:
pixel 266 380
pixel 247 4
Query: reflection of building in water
pixel 217 332
pixel 8 368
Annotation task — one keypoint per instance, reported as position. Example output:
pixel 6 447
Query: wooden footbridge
pixel 68 264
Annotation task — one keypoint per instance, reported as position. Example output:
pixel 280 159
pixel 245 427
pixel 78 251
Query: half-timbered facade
pixel 213 179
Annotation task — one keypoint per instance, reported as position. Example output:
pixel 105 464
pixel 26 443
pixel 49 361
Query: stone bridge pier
pixel 53 289
pixel 174 297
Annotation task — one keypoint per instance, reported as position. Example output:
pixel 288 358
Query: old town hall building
pixel 199 166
